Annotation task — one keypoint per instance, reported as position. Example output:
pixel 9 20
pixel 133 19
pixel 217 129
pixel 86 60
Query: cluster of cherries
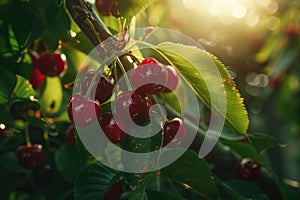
pixel 149 78
pixel 31 156
pixel 46 64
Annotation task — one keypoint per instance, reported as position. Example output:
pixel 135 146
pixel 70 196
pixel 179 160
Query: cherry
pixel 248 169
pixel 174 132
pixel 31 156
pixel 105 7
pixel 70 133
pixel 102 89
pixel 82 111
pixel 51 64
pixel 115 192
pixel 137 104
pixel 111 128
pixel 149 77
pixel 36 78
pixel 173 79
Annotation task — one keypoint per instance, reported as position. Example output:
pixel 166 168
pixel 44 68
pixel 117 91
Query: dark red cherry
pixel 111 128
pixel 102 88
pixel 36 78
pixel 105 7
pixel 149 77
pixel 173 79
pixel 248 169
pixel 70 133
pixel 149 60
pixel 31 156
pixel 52 64
pixel 174 132
pixel 115 192
pixel 138 106
pixel 82 111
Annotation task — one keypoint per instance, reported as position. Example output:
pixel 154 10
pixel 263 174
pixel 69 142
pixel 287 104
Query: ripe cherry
pixel 111 129
pixel 173 79
pixel 174 132
pixel 102 89
pixel 52 64
pixel 115 192
pixel 105 7
pixel 82 111
pixel 149 77
pixel 248 169
pixel 31 156
pixel 70 133
pixel 36 78
pixel 138 106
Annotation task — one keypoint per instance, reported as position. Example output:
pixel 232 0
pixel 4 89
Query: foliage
pixel 69 171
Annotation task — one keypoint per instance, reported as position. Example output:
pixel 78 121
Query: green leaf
pixel 262 142
pixel 50 41
pixel 247 190
pixel 25 22
pixel 93 181
pixel 130 8
pixel 138 195
pixel 193 173
pixel 244 149
pixel 140 145
pixel 23 88
pixel 153 195
pixel 55 18
pixel 189 61
pixel 7 84
pixel 68 162
pixel 10 162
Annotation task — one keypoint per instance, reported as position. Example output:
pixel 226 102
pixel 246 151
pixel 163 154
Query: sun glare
pixel 250 12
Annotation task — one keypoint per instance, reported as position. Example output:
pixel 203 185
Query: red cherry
pixel 115 192
pixel 31 156
pixel 105 6
pixel 137 104
pixel 173 79
pixel 102 89
pixel 174 132
pixel 51 64
pixel 82 111
pixel 149 60
pixel 150 77
pixel 248 169
pixel 70 133
pixel 111 129
pixel 36 78
pixel 275 82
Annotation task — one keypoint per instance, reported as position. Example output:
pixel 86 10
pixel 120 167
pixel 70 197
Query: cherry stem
pixel 159 108
pixel 128 83
pixel 116 78
pixel 28 141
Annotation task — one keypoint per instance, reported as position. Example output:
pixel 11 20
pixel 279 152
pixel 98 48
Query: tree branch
pixel 88 21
